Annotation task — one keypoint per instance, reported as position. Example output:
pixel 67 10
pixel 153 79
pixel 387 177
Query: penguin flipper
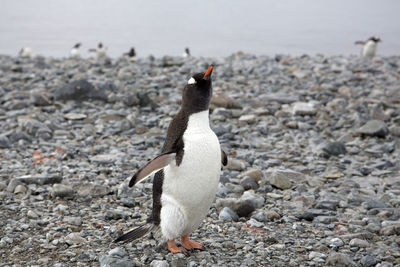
pixel 224 158
pixel 151 167
pixel 135 233
pixel 359 42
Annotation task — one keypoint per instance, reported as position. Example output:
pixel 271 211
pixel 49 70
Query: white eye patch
pixel 192 81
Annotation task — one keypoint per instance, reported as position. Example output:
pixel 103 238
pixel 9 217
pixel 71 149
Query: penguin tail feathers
pixel 136 233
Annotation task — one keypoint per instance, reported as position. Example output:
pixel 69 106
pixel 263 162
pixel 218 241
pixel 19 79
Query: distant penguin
pixel 369 46
pixel 131 54
pixel 186 172
pixel 25 52
pixel 75 51
pixel 101 51
pixel 186 53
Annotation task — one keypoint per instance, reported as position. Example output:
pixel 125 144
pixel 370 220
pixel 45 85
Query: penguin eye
pixel 192 81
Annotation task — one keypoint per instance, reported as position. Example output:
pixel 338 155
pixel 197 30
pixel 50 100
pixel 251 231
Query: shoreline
pixel 313 144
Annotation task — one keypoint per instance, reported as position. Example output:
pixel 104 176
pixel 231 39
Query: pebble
pixel 227 214
pixel 60 190
pixel 374 128
pixel 74 238
pixel 334 148
pixel 339 259
pixel 360 243
pixel 303 108
pixel 159 263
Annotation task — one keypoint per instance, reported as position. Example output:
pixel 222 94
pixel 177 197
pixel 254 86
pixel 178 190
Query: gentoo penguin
pixel 186 172
pixel 75 50
pixel 101 51
pixel 25 52
pixel 186 53
pixel 369 46
pixel 131 54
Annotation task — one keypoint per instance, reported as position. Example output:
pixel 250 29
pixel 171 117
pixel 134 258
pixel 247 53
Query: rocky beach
pixel 313 144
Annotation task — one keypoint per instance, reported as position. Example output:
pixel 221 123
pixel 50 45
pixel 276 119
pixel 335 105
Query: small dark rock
pixel 374 204
pixel 227 214
pixel 374 128
pixel 334 148
pixel 130 100
pixel 248 183
pixel 369 260
pixel 4 142
pixel 327 204
pixel 79 90
pixel 245 207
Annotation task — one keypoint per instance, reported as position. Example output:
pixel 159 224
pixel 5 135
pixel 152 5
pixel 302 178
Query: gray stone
pixel 360 243
pixel 75 116
pixel 260 216
pixel 159 263
pixel 80 90
pixel 272 215
pixel 227 214
pixel 369 261
pixel 327 204
pixel 334 148
pixel 32 215
pixel 4 142
pixel 254 223
pixel 117 252
pixel 40 179
pixel 111 261
pixel 93 190
pixel 282 178
pixel 40 99
pixel 315 254
pixel 374 204
pixel 235 164
pixel 20 189
pixel 303 108
pixel 73 220
pixel 60 190
pixel 13 184
pixel 248 183
pixel 255 174
pixel 74 238
pixel 336 242
pixel 374 128
pixel 339 259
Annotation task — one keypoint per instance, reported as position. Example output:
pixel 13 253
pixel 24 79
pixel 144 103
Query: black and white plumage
pixel 369 46
pixel 101 51
pixel 75 51
pixel 131 55
pixel 25 52
pixel 187 170
pixel 186 53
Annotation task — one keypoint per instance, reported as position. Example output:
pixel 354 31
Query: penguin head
pixel 100 45
pixel 77 45
pixel 197 93
pixel 375 39
pixel 132 52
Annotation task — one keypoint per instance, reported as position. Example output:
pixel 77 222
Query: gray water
pixel 209 28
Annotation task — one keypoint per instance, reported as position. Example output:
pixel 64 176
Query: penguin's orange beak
pixel 208 72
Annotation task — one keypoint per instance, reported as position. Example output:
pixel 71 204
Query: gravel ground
pixel 313 143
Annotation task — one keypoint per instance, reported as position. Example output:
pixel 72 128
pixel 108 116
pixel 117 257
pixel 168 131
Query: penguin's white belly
pixel 189 189
pixel 369 49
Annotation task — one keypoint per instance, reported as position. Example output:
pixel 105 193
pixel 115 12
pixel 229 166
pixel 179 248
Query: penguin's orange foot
pixel 172 247
pixel 190 244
